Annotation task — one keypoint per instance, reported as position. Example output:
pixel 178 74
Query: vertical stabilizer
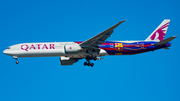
pixel 159 33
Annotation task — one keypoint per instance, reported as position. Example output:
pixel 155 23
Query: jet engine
pixel 72 49
pixel 67 60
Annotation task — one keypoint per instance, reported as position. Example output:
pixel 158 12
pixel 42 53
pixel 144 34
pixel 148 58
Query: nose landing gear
pixel 16 58
pixel 17 62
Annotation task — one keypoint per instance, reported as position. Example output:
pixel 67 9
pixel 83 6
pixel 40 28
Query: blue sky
pixel 151 76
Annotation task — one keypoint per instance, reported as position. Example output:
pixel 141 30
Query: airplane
pixel 93 48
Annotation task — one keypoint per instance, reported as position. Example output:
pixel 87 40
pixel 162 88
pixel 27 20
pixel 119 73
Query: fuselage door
pixel 111 45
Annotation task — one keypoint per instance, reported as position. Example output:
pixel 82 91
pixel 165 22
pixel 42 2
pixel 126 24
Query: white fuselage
pixel 47 49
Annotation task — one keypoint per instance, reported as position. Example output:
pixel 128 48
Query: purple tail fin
pixel 159 33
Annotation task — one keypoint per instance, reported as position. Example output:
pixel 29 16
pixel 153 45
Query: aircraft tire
pixel 92 64
pixel 88 64
pixel 17 62
pixel 85 63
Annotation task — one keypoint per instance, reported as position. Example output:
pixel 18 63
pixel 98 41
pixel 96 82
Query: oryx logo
pixel 160 33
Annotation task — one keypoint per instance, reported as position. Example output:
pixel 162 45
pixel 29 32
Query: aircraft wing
pixel 100 38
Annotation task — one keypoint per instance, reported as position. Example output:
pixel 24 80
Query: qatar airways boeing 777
pixel 93 48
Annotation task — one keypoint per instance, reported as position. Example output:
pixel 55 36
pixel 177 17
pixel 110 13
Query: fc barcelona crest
pixel 118 46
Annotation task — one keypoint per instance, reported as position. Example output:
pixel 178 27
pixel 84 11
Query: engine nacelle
pixel 72 48
pixel 67 60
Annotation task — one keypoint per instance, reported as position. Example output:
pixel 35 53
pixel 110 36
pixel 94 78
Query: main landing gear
pixel 88 58
pixel 88 64
pixel 16 58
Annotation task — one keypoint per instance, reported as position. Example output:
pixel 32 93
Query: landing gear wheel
pixel 16 58
pixel 92 64
pixel 17 62
pixel 95 58
pixel 88 64
pixel 85 63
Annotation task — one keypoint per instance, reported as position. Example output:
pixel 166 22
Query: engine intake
pixel 67 60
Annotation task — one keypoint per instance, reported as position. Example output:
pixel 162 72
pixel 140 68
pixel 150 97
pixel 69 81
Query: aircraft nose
pixel 6 52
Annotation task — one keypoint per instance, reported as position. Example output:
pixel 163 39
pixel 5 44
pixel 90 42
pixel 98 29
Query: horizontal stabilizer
pixel 165 41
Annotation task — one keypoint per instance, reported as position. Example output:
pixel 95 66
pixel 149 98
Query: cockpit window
pixel 8 48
